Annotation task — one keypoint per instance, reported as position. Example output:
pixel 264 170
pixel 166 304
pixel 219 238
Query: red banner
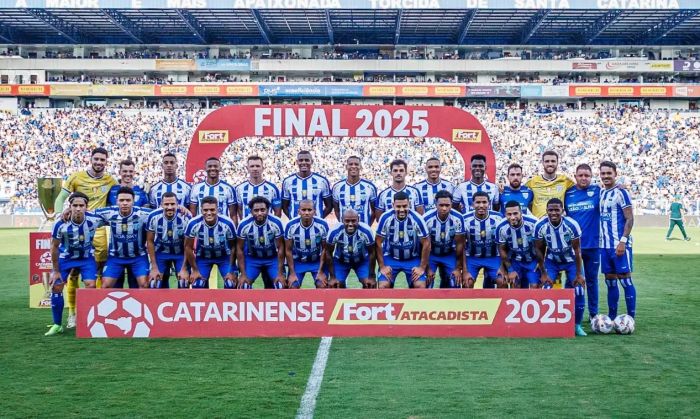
pixel 620 90
pixel 24 90
pixel 226 125
pixel 311 313
pixel 39 269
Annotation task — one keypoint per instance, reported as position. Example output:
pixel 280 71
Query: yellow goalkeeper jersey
pixel 544 190
pixel 97 189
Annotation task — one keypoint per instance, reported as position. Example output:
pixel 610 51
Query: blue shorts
pixel 302 268
pixel 613 264
pixel 553 269
pixel 87 268
pixel 256 266
pixel 444 265
pixel 527 271
pixel 205 265
pixel 116 266
pixel 342 270
pixel 166 261
pixel 490 266
pixel 398 266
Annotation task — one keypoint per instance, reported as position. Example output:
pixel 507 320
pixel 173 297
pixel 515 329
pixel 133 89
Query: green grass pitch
pixel 653 373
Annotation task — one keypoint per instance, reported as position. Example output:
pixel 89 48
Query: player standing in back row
pixel 355 193
pixel 306 184
pixel 432 184
pixel 465 191
pixel 616 222
pixel 548 185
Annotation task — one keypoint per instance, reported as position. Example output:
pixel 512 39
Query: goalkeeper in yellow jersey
pixel 95 183
pixel 548 185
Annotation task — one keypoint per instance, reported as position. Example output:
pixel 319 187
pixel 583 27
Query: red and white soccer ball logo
pixel 119 315
pixel 199 176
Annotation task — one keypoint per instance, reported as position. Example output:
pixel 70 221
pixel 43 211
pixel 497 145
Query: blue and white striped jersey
pixel 612 218
pixel 179 187
pixel 76 239
pixel 385 200
pixel 464 194
pixel 259 239
pixel 520 241
pixel 296 189
pixel 359 196
pixel 246 191
pixel 481 234
pixel 128 233
pixel 222 191
pixel 212 240
pixel 351 248
pixel 428 190
pixel 307 242
pixel 402 238
pixel 558 238
pixel 442 233
pixel 169 234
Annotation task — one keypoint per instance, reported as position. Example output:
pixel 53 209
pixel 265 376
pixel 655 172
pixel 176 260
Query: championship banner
pixel 39 269
pixel 226 125
pixel 175 313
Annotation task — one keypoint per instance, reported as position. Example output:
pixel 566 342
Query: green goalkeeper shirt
pixel 676 211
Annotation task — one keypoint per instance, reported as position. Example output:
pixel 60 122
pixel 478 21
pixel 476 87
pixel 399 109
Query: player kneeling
pixel 165 240
pixel 403 242
pixel 559 236
pixel 216 239
pixel 72 252
pixel 350 247
pixel 260 247
pixel 305 239
pixel 516 243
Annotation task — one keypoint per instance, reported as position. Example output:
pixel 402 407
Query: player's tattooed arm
pixel 511 276
pixel 154 273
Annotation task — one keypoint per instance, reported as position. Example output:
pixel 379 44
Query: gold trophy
pixel 48 189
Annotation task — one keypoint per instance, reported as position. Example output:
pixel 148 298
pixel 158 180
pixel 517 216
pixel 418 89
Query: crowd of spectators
pixel 657 152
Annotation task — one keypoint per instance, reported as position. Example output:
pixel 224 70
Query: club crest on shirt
pixel 81 238
pixel 211 240
pixel 590 193
pixel 307 242
pixel 401 234
pixel 483 233
pixel 261 240
pixel 526 194
pixel 520 240
pixel 125 227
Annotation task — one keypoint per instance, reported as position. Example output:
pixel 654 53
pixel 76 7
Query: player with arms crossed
pixel 165 242
pixel 399 170
pixel 216 244
pixel 482 249
pixel 95 183
pixel 516 244
pixel 305 240
pixel 403 245
pixel 306 184
pixel 559 237
pixel 355 193
pixel 515 190
pixel 582 203
pixel 260 245
pixel 350 247
pixel 616 222
pixel 465 191
pixel 127 248
pixel 432 184
pixel 170 183
pixel 446 227
pixel 72 251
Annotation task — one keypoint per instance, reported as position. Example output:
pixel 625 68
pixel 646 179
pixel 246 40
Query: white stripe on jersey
pixel 259 239
pixel 307 242
pixel 314 187
pixel 464 194
pixel 222 191
pixel 76 239
pixel 385 200
pixel 520 241
pixel 246 191
pixel 179 187
pixel 212 241
pixel 168 235
pixel 428 190
pixel 559 238
pixel 360 197
pixel 442 233
pixel 612 217
pixel 351 248
pixel 481 234
pixel 128 237
pixel 402 238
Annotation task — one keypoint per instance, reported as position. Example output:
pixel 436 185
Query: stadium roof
pixel 365 26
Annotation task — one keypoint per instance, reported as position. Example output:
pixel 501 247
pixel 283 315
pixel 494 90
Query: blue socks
pixel 613 297
pixel 182 283
pixel 630 295
pixel 57 307
pixel 579 303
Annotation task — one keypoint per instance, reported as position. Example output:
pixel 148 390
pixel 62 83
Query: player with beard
pixel 516 244
pixel 399 170
pixel 256 185
pixel 515 190
pixel 548 185
pixel 432 184
pixel 447 238
pixel 165 242
pixel 482 248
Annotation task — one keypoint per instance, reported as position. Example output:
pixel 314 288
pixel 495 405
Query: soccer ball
pixel 119 315
pixel 601 324
pixel 624 324
pixel 199 176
